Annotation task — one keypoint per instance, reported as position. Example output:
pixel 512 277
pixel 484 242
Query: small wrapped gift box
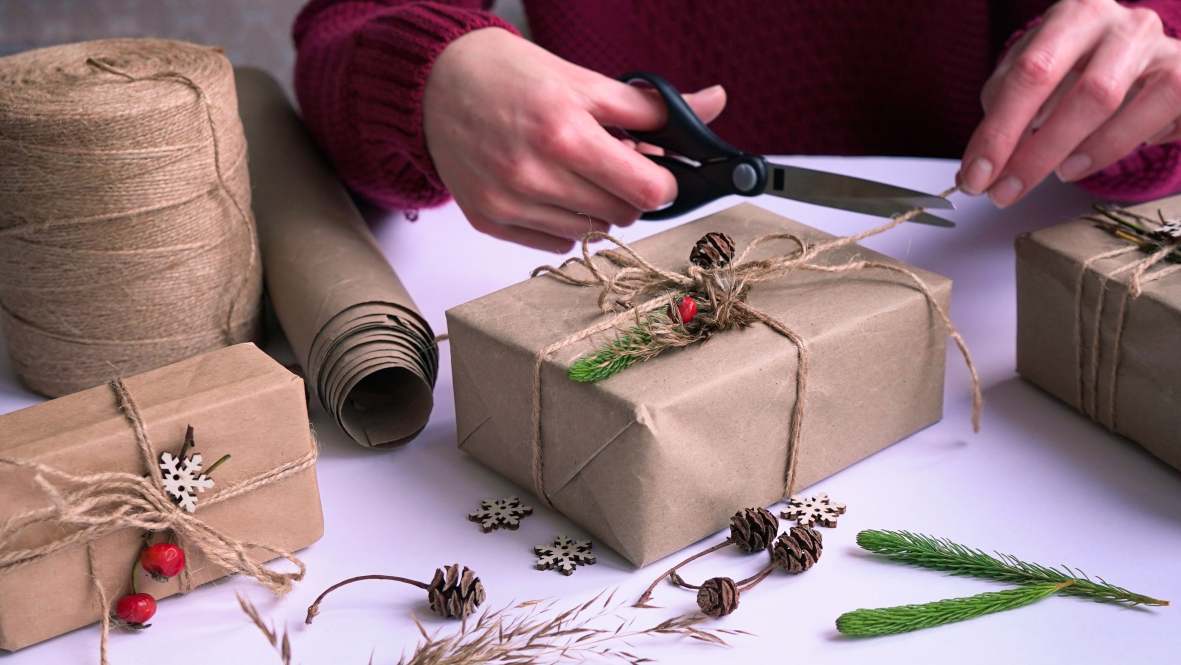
pixel 662 454
pixel 1087 337
pixel 77 491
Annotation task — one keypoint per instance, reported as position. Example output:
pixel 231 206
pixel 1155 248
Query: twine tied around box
pixel 96 504
pixel 1166 244
pixel 126 239
pixel 640 287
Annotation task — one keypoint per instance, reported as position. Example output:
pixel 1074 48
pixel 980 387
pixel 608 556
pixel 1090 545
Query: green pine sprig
pixel 1133 227
pixel 627 349
pixel 947 556
pixel 905 618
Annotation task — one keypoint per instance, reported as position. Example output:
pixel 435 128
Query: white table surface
pixel 1040 481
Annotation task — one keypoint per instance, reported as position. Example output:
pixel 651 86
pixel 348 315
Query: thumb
pixel 630 107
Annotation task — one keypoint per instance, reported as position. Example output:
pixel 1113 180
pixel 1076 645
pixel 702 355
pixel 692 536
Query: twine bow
pixel 91 506
pixel 639 287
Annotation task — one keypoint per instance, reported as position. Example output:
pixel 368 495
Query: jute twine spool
pixel 126 240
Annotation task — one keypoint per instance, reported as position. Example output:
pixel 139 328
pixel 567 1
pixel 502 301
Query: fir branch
pixel 942 554
pixel 627 349
pixel 905 618
pixel 1134 228
pixel 648 338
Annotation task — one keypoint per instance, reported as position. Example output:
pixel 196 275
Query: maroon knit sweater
pixel 802 76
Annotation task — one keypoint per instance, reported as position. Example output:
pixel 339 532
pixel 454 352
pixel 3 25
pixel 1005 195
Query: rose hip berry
pixel 162 560
pixel 687 309
pixel 135 608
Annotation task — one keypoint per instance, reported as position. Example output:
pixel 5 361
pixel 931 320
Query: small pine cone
pixel 718 596
pixel 714 250
pixel 455 594
pixel 753 529
pixel 797 550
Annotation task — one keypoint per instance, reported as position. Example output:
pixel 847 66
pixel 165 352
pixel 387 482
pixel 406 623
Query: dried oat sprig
pixel 536 632
pixel 280 643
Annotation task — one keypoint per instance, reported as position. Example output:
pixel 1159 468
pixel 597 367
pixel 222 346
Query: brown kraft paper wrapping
pixel 238 400
pixel 367 353
pixel 1131 388
pixel 661 455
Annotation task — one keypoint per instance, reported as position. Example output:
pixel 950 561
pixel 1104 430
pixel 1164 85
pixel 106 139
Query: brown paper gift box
pixel 1132 389
pixel 661 455
pixel 238 400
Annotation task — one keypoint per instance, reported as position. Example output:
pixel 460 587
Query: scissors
pixel 708 168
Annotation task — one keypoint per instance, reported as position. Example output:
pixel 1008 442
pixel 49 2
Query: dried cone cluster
pixel 455 592
pixel 753 529
pixel 718 596
pixel 797 550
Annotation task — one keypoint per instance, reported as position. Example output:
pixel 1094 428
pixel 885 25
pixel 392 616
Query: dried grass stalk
pixel 534 633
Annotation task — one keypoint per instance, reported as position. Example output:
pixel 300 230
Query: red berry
pixel 162 560
pixel 687 309
pixel 135 608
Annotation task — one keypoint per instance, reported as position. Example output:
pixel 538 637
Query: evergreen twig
pixel 628 348
pixel 1135 228
pixel 905 618
pixel 649 337
pixel 947 556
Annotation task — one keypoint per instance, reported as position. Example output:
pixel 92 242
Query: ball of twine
pixel 126 240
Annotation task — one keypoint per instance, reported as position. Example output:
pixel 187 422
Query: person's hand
pixel 517 135
pixel 1091 83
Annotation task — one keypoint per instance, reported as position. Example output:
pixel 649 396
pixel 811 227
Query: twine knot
pixel 90 506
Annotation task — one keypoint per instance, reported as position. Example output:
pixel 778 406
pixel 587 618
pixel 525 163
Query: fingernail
pixel 1160 136
pixel 1006 191
pixel 1074 167
pixel 977 175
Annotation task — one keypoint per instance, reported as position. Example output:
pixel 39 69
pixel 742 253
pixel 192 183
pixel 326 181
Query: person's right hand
pixel 517 135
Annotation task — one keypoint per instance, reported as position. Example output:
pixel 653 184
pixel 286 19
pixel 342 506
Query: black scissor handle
pixel 721 168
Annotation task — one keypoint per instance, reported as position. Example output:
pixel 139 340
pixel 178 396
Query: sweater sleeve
pixel 1152 171
pixel 361 69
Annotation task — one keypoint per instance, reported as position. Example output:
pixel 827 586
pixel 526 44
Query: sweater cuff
pixel 380 146
pixel 1153 171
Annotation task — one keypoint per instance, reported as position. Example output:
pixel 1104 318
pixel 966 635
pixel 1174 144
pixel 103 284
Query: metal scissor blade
pixel 854 194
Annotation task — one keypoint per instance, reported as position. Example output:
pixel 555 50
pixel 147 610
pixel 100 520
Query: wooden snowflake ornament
pixel 812 511
pixel 497 513
pixel 183 479
pixel 564 555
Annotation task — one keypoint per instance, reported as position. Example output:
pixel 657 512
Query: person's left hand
pixel 1091 83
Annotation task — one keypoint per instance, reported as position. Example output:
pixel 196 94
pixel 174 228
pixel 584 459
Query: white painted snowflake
pixel 496 513
pixel 183 479
pixel 814 510
pixel 564 555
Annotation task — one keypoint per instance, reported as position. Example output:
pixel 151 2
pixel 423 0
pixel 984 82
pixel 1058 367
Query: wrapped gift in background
pixel 1085 336
pixel 264 499
pixel 662 454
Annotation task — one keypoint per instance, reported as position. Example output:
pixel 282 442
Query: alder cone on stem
pixel 753 529
pixel 455 593
pixel 713 250
pixel 797 550
pixel 718 596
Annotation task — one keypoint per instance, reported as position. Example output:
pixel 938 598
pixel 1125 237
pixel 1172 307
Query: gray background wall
pixel 253 32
